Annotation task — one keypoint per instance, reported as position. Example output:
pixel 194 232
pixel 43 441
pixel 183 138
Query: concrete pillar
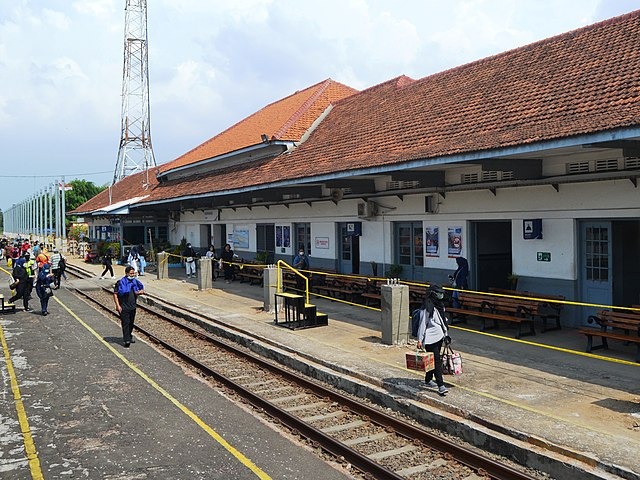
pixel 270 281
pixel 163 265
pixel 396 327
pixel 204 273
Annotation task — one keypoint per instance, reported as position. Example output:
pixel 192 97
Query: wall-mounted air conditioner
pixel 367 209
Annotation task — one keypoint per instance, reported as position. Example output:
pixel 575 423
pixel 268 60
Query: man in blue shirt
pixel 125 295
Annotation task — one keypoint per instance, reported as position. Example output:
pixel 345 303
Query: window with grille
pixel 597 254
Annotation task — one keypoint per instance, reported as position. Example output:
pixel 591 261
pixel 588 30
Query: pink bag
pixel 451 361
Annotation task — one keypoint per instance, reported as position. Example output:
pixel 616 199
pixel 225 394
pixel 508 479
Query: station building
pixel 526 163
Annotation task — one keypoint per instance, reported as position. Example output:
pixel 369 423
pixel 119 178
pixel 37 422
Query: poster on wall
pixel 283 236
pixel 322 242
pixel 241 237
pixel 455 242
pixel 432 241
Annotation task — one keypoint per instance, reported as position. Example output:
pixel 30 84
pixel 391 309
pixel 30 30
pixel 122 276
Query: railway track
pixel 376 444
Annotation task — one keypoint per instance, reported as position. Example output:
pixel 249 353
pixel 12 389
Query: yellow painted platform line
pixel 210 431
pixel 29 445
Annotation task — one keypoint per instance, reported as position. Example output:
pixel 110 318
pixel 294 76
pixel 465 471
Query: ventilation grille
pixel 486 176
pixel 578 167
pixel 469 178
pixel 631 163
pixel 606 165
pixel 403 185
pixel 291 196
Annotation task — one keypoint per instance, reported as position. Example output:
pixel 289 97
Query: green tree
pixel 82 191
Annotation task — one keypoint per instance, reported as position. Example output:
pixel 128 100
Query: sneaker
pixel 27 309
pixel 442 390
pixel 126 344
pixel 431 384
pixel 133 340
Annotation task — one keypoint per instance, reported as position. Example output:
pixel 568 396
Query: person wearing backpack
pixel 20 274
pixel 43 288
pixel 432 333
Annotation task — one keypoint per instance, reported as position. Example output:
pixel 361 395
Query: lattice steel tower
pixel 135 153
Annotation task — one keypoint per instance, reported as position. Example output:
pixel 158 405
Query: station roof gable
pixel 286 120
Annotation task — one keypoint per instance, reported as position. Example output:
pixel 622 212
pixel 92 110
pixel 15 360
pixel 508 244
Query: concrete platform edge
pixel 532 451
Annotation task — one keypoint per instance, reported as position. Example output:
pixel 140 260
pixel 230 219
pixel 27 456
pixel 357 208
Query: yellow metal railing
pixel 282 264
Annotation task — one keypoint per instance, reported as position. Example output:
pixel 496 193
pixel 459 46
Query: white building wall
pixel 559 210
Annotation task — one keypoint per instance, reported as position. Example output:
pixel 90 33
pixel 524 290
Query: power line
pixel 53 175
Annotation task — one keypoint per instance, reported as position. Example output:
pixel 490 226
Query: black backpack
pixel 415 322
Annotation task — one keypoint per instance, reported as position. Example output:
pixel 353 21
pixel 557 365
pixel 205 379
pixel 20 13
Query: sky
pixel 214 62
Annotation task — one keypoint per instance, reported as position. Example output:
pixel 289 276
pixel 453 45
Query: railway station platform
pixel 542 399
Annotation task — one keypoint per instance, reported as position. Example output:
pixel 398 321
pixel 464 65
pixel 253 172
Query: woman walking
pixel 43 288
pixel 432 332
pixel 107 261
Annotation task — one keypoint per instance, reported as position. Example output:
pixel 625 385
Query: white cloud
pixel 213 62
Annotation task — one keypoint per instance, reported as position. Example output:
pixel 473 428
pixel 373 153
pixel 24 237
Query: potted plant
pixel 394 271
pixel 262 257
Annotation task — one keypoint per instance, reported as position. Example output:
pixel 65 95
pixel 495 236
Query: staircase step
pixel 322 319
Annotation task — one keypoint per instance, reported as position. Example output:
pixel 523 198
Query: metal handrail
pixel 294 270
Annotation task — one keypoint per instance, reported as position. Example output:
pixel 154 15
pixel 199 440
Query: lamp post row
pixel 41 215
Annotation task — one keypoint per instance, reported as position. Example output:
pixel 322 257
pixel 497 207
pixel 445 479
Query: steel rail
pixel 494 469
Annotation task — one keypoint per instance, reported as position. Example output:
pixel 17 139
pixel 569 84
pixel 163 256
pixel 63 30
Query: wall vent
pixel 606 165
pixel 631 163
pixel 469 178
pixel 578 167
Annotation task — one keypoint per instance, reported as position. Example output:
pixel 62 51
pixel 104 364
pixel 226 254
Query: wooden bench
pixel 416 296
pixel 495 309
pixel 6 306
pixel 372 295
pixel 548 306
pixel 348 288
pixel 251 274
pixel 610 321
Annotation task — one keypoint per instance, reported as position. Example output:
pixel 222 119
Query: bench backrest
pixel 500 304
pixel 629 320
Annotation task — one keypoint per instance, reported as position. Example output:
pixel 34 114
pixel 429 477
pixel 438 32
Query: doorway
pixel 409 249
pixel 609 264
pixel 349 246
pixel 491 255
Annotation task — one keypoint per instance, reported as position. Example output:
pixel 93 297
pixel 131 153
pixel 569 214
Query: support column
pixel 204 273
pixel 396 326
pixel 163 265
pixel 270 282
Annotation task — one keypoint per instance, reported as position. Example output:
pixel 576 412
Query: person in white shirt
pixel 432 333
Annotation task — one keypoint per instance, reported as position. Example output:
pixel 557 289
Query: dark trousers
pixel 44 299
pixel 57 273
pixel 109 269
pixel 23 293
pixel 435 348
pixel 127 318
pixel 228 271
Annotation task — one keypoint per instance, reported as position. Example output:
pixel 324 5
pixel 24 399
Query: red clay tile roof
pixel 286 119
pixel 581 82
pixel 135 185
